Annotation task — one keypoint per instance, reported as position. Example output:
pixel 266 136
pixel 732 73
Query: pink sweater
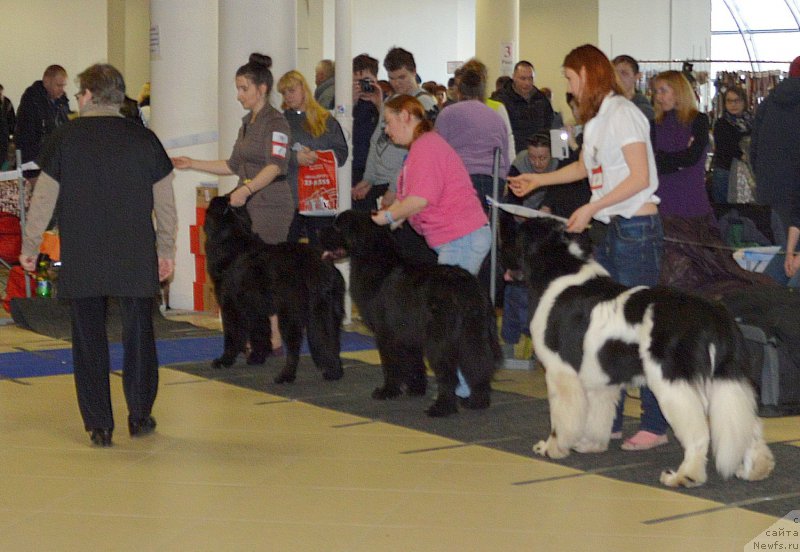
pixel 434 171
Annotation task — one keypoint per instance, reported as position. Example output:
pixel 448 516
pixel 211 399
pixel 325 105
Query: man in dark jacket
pixel 773 154
pixel 528 109
pixel 43 107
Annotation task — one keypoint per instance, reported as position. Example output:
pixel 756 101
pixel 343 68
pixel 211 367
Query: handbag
pixel 317 186
pixel 741 183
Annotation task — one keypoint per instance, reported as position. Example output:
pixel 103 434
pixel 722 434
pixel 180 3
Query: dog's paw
pixel 440 409
pixel 285 377
pixel 476 401
pixel 671 478
pixel 550 449
pixel 223 362
pixel 254 358
pixel 585 446
pixel 540 448
pixel 333 375
pixel 383 393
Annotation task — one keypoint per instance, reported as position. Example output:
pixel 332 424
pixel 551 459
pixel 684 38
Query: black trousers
pixel 91 358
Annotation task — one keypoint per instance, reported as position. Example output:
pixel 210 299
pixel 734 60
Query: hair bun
pixel 470 77
pixel 261 59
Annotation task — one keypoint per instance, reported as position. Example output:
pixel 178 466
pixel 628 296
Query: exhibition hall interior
pixel 238 461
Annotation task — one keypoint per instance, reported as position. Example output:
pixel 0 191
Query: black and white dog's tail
pixel 736 431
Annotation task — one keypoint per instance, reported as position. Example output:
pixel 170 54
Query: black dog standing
pixel 418 310
pixel 254 280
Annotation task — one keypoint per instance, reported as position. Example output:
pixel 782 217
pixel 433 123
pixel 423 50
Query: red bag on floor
pixel 15 287
pixel 10 238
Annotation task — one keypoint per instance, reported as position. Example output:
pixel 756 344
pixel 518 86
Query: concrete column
pixel 183 58
pixel 497 36
pixel 344 94
pixel 246 26
pixel 344 114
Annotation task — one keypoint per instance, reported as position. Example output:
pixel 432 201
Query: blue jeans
pixel 631 252
pixel 467 252
pixel 516 319
pixel 632 249
pixel 719 185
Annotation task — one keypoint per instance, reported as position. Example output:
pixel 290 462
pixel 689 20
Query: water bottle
pixel 44 287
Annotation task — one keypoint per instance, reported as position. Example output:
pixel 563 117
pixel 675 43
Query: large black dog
pixel 416 310
pixel 254 280
pixel 594 335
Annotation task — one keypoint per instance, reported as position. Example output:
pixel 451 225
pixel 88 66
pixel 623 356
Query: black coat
pixel 106 167
pixel 37 118
pixel 774 148
pixel 527 116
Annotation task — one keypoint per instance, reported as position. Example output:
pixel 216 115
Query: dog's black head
pixel 221 218
pixel 353 232
pixel 545 250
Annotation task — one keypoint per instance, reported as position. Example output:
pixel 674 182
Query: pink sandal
pixel 644 440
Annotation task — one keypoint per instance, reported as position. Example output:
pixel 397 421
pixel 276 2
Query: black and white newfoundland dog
pixel 418 310
pixel 254 280
pixel 594 335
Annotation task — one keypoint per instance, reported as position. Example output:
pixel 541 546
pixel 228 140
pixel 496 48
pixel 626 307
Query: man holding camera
pixel 385 159
pixel 367 103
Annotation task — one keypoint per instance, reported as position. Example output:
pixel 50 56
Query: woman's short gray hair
pixel 105 83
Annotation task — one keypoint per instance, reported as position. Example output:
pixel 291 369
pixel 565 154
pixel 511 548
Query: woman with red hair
pixel 617 157
pixel 434 190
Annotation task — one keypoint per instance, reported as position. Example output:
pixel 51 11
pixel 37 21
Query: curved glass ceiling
pixel 746 34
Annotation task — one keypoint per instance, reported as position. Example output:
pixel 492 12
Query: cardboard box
pixel 204 298
pixel 197 240
pixel 204 195
pixel 200 273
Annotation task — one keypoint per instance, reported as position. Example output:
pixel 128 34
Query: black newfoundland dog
pixel 594 335
pixel 418 310
pixel 254 280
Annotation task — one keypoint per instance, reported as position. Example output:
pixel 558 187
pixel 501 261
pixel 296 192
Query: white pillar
pixel 496 28
pixel 247 26
pixel 344 94
pixel 344 114
pixel 184 110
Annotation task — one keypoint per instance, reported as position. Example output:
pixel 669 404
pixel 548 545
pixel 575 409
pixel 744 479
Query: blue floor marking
pixel 52 362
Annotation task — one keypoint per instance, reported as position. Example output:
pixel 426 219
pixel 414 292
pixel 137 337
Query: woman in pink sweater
pixel 434 190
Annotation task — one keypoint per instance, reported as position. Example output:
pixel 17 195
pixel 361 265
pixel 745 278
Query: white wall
pixel 38 33
pixel 434 31
pixel 656 29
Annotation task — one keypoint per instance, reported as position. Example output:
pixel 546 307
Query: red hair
pixel 404 102
pixel 600 78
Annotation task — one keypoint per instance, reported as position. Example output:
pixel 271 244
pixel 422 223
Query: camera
pixel 366 85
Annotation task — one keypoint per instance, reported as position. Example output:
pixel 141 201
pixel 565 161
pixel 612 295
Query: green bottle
pixel 44 287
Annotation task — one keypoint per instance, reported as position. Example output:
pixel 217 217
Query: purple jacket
pixel 681 152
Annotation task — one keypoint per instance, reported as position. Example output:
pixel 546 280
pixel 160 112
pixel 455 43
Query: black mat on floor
pixel 512 424
pixel 50 317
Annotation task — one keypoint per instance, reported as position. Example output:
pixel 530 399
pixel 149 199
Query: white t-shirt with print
pixel 618 123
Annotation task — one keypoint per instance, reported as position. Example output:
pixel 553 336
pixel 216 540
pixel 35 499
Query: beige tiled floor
pixel 229 470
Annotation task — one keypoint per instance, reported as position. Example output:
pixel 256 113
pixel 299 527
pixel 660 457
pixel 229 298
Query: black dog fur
pixel 418 310
pixel 254 280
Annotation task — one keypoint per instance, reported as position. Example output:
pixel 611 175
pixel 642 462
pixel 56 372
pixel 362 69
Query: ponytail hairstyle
pixel 601 78
pixel 410 104
pixel 257 70
pixel 316 122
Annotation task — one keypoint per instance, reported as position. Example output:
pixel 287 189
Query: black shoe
pixel 101 437
pixel 142 426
